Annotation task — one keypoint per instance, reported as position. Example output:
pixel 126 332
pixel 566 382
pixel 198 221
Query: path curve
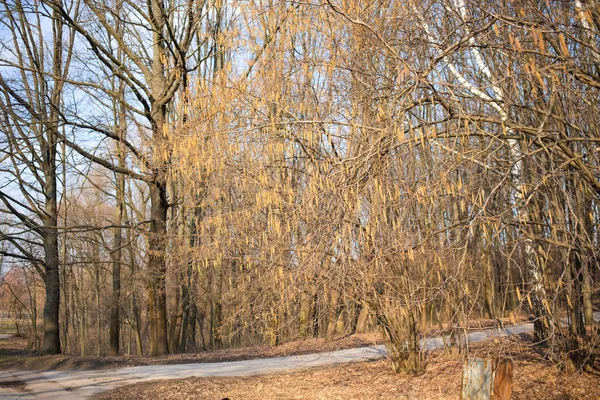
pixel 71 385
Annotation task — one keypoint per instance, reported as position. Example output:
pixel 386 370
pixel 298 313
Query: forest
pixel 184 175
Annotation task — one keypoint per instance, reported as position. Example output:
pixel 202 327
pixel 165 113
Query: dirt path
pixel 67 385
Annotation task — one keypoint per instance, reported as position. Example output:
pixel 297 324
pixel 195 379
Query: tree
pixel 152 80
pixel 35 68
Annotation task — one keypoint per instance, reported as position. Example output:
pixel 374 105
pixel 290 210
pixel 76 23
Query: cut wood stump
pixel 487 379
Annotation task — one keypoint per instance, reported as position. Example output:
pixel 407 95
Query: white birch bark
pixel 544 320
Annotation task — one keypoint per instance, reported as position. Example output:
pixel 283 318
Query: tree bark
pixel 157 267
pixel 50 221
pixel 116 271
pixel 305 312
pixel 363 318
pixel 177 320
pixel 52 305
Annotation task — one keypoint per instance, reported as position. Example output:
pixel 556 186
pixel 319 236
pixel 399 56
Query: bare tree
pixel 152 80
pixel 36 66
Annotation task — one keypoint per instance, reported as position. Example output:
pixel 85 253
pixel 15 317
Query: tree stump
pixel 487 379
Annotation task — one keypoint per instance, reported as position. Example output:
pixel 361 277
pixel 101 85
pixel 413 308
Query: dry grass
pixel 535 378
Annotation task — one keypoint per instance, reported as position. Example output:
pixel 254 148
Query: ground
pixel 535 378
pixel 13 354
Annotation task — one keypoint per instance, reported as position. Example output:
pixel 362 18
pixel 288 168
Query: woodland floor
pixel 14 355
pixel 534 378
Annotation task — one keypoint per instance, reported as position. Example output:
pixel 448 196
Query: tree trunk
pixel 51 261
pixel 316 321
pixel 587 295
pixel 363 318
pixel 115 319
pixel 157 268
pixel 173 323
pixel 50 219
pixel 588 262
pixel 116 286
pixel 305 312
pixel 191 330
pixel 177 321
pixel 136 325
pixel 215 325
pixel 332 315
pixel 575 294
pixel 152 328
pixel 99 330
pixel 159 204
pixel 488 288
pixel 184 329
